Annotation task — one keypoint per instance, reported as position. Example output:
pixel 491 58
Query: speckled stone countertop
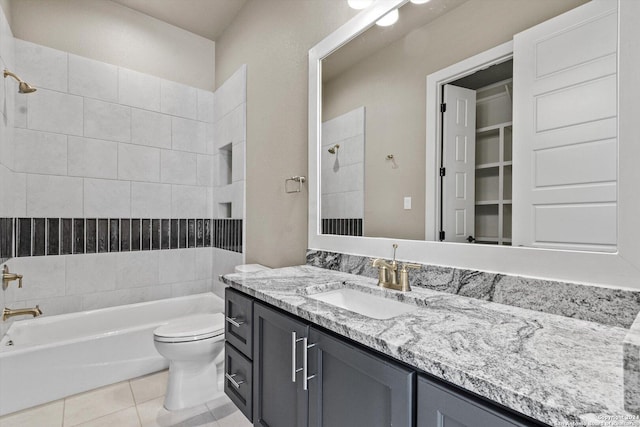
pixel 559 370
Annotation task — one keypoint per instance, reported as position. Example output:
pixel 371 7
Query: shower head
pixel 333 149
pixel 23 87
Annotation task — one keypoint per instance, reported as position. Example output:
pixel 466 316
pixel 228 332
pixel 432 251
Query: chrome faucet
pixel 7 312
pixel 388 275
pixel 9 277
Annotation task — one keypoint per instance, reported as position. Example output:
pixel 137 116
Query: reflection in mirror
pixel 383 72
pixel 342 170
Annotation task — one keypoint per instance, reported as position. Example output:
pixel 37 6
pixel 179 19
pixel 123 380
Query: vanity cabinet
pixel 441 406
pixel 352 387
pixel 278 395
pixel 345 386
pixel 302 376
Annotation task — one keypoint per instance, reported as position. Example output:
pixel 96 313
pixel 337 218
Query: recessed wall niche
pixel 225 162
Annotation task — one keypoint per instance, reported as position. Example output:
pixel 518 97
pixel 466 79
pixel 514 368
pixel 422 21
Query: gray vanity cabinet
pixel 440 406
pixel 278 401
pixel 351 387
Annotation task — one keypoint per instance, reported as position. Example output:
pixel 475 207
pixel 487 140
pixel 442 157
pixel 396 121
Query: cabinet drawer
pixel 239 324
pixel 238 381
pixel 440 406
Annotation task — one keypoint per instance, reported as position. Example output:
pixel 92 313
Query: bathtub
pixel 49 358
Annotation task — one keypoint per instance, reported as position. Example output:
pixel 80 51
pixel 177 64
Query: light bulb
pixel 359 4
pixel 419 1
pixel 388 19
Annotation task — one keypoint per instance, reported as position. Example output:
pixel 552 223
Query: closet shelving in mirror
pixel 494 163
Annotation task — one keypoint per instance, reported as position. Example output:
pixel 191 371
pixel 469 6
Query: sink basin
pixel 363 303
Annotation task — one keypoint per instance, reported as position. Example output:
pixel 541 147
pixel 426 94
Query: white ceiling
pixel 207 18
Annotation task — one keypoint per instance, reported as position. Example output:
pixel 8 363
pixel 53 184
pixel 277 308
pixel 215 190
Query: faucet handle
pixel 407 265
pixel 8 277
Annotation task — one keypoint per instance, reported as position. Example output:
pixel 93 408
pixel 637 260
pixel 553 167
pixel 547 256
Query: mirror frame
pixel 618 269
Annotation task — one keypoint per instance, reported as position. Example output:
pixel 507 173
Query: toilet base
pixel 191 384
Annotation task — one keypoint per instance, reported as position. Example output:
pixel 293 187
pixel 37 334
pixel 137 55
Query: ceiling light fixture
pixel 420 1
pixel 359 4
pixel 388 19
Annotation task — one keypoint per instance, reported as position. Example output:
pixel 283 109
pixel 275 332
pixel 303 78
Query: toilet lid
pixel 191 328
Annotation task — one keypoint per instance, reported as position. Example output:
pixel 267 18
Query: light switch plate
pixel 407 203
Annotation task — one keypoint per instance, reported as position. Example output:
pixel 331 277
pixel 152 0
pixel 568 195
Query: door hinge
pixel 441 235
pixel 443 171
pixel 443 107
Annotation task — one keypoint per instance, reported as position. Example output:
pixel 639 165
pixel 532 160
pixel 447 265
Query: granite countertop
pixel 559 370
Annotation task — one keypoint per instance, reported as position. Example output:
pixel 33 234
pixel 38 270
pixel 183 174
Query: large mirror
pixel 378 142
pixel 377 162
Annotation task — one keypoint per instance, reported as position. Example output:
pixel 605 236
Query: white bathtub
pixel 53 357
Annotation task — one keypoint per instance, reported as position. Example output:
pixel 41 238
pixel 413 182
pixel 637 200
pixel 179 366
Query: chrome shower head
pixel 334 149
pixel 23 87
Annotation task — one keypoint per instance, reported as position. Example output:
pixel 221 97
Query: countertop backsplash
pixel 608 306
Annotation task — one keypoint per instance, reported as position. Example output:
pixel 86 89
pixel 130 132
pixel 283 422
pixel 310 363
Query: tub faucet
pixel 7 312
pixel 389 276
pixel 9 277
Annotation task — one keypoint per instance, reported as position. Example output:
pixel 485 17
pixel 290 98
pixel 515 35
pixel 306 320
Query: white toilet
pixel 194 347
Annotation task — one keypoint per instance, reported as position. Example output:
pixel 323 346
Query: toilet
pixel 194 347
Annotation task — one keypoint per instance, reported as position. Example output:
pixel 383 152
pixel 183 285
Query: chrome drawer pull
pixel 234 321
pixel 294 341
pixel 233 382
pixel 305 364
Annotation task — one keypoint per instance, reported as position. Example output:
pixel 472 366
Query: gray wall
pixel 273 38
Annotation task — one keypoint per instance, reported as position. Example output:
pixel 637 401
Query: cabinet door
pixel 279 401
pixel 355 388
pixel 439 406
pixel 239 324
pixel 238 380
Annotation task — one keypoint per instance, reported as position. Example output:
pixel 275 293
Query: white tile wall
pixel 43 67
pixel 188 201
pixel 54 196
pixel 138 90
pixel 150 128
pixel 205 106
pixel 150 200
pixel 107 198
pixel 204 168
pixel 178 167
pixel 93 79
pixel 177 265
pixel 55 112
pixel 105 120
pixel 343 172
pixel 92 158
pixel 91 273
pixel 178 100
pixel 137 163
pixel 135 269
pixel 40 152
pixel 188 135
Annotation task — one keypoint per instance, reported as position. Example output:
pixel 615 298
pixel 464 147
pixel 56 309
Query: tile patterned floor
pixel 133 403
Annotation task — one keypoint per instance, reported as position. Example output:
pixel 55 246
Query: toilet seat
pixel 192 328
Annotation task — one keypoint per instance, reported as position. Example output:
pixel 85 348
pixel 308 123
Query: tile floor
pixel 133 403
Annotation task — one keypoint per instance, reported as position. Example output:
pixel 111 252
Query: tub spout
pixel 7 312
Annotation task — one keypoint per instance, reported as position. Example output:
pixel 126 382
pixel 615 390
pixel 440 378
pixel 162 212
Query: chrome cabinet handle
pixel 232 380
pixel 305 364
pixel 234 322
pixel 294 342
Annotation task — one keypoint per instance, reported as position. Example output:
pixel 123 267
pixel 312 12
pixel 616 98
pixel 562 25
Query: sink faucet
pixel 388 275
pixel 7 312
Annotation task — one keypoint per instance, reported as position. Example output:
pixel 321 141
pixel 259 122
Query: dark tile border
pixel 22 237
pixel 342 226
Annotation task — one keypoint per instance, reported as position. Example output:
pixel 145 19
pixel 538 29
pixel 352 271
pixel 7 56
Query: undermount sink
pixel 363 303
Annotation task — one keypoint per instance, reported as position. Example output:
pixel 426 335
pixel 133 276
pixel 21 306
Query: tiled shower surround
pixel 124 187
